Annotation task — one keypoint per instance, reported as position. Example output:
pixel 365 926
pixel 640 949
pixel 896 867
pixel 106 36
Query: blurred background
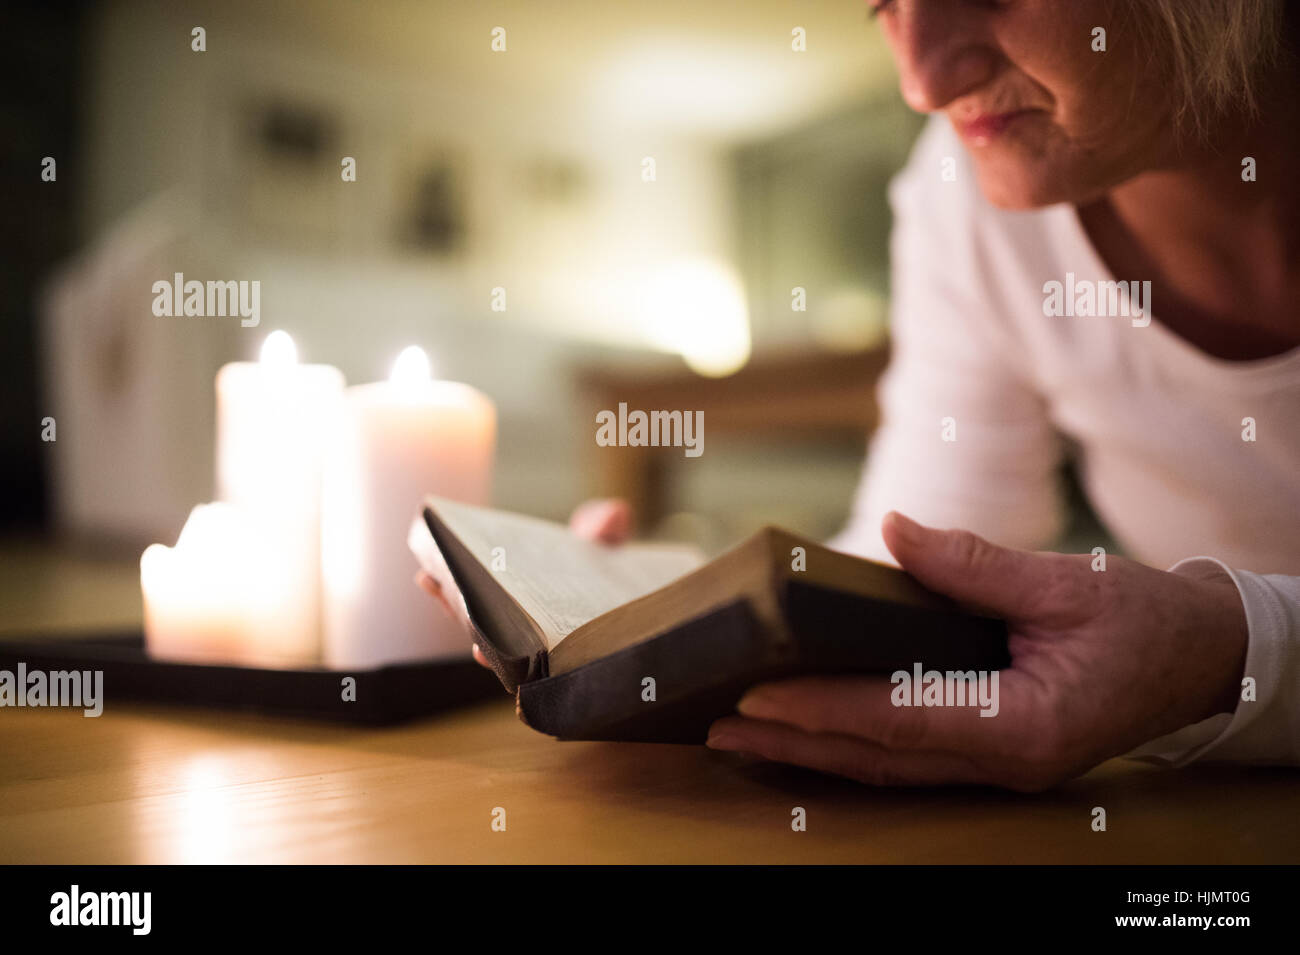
pixel 684 210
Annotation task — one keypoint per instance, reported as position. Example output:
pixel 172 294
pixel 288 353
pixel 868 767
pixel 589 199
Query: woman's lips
pixel 987 127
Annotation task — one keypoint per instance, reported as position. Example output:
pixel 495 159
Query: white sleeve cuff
pixel 1266 729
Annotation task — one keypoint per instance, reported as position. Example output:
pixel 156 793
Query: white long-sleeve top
pixel 985 389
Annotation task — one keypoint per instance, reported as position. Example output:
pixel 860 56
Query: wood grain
pixel 146 784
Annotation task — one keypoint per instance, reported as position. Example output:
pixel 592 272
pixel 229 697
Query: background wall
pixel 476 170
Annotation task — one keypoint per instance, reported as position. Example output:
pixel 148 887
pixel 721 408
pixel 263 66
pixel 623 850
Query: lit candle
pixel 274 417
pixel 222 595
pixel 396 441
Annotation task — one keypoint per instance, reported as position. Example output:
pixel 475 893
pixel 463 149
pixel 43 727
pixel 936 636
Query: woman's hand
pixel 1102 661
pixel 607 520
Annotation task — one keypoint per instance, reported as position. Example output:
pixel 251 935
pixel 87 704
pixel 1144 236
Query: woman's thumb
pixel 964 566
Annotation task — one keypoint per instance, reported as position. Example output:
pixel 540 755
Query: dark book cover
pixel 701 665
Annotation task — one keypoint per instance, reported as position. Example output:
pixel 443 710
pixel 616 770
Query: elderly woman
pixel 1075 146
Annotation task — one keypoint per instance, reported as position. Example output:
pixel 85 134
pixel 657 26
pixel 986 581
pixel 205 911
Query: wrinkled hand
pixel 606 520
pixel 1102 661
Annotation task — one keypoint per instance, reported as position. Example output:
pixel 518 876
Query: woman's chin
pixel 1016 187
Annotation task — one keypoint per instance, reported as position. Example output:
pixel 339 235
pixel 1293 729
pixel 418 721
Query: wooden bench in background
pixel 787 395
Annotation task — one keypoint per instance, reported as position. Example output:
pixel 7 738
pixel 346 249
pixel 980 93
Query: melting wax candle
pixel 224 595
pixel 396 441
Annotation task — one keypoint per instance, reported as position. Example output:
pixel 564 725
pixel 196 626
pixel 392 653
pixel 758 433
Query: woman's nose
pixel 942 49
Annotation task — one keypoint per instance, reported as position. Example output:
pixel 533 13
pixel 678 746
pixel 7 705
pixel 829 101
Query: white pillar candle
pixel 227 593
pixel 397 441
pixel 274 417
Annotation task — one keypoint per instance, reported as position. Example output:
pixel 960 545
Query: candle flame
pixel 411 367
pixel 278 350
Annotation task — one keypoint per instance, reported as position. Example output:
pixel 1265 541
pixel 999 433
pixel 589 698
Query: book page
pixel 559 579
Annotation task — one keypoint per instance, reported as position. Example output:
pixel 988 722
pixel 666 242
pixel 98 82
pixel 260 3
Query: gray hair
pixel 1218 53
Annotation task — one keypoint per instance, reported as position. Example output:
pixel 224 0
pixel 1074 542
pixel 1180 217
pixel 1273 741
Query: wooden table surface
pixel 152 784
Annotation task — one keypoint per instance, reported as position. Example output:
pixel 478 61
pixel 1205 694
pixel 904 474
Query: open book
pixel 651 642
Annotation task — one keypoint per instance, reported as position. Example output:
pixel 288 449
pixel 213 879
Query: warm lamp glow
pixel 698 310
pixel 279 351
